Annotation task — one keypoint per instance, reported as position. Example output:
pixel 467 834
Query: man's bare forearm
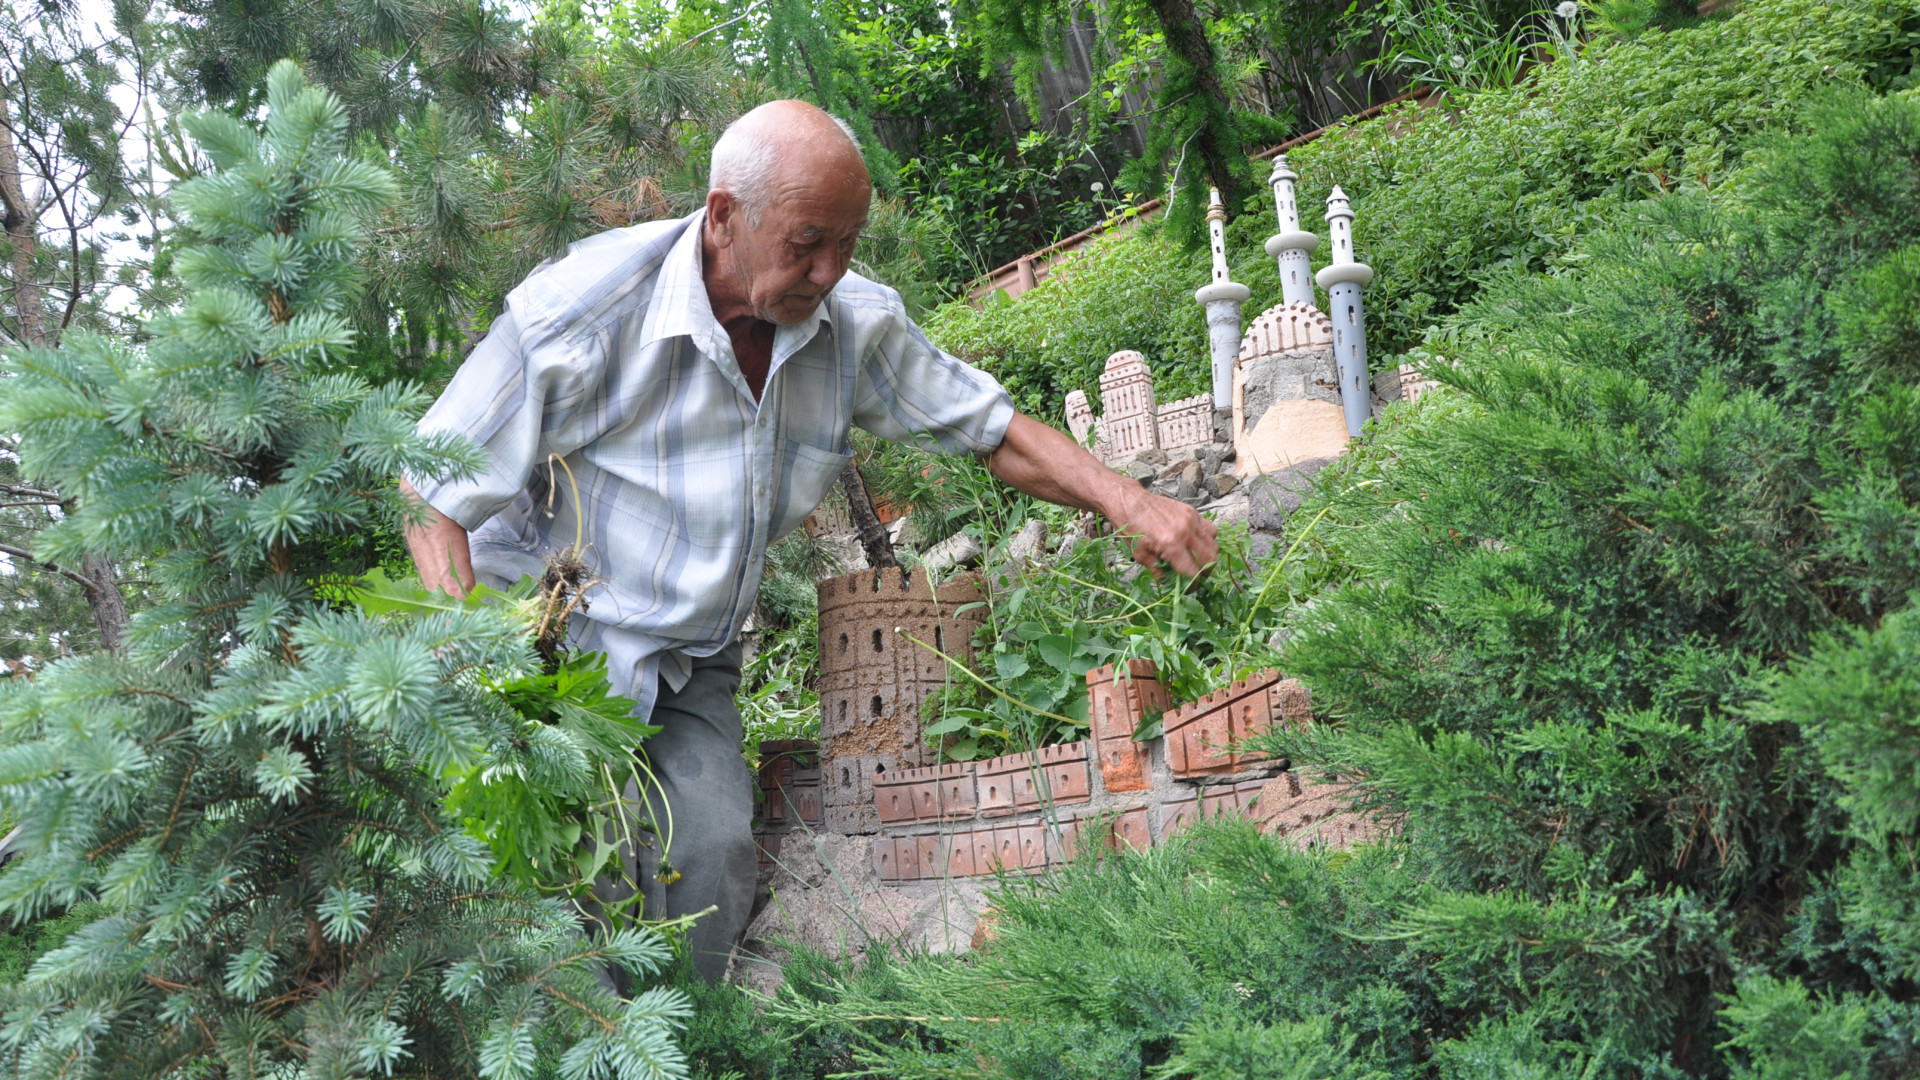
pixel 439 549
pixel 1046 464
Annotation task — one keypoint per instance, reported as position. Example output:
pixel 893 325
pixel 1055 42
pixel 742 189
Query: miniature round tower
pixel 1222 299
pixel 873 679
pixel 1291 246
pixel 1343 279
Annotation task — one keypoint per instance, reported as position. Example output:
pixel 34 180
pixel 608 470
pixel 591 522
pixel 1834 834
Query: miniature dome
pixel 1285 328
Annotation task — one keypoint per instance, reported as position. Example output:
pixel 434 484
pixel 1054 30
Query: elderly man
pixel 699 377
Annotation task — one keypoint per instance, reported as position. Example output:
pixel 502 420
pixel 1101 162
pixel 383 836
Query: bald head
pixel 787 201
pixel 782 143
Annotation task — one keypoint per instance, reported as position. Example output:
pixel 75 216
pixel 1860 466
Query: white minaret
pixel 1222 299
pixel 1343 279
pixel 1290 245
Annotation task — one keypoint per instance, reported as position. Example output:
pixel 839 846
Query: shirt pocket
pixel 811 473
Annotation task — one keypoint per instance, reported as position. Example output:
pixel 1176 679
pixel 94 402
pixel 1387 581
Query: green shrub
pixel 1675 467
pixel 24 942
pixel 1443 198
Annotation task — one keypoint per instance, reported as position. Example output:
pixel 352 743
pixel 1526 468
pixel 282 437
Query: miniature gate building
pixel 1132 422
pixel 874 678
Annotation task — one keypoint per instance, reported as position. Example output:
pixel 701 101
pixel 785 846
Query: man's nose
pixel 826 268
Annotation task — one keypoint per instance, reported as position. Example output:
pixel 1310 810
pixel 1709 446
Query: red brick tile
pixel 932 852
pixel 1033 847
pixel 1198 745
pixel 995 792
pixel 959 848
pixel 805 803
pixel 953 794
pixel 885 861
pixel 1116 708
pixel 906 855
pixel 894 798
pixel 773 804
pixel 1176 815
pixel 1220 799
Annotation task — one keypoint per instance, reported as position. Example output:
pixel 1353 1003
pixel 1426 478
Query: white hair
pixel 745 159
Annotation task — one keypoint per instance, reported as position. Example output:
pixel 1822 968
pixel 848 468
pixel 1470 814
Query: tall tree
pixel 1196 134
pixel 66 185
pixel 254 792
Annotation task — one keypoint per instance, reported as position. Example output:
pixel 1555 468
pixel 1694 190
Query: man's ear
pixel 722 211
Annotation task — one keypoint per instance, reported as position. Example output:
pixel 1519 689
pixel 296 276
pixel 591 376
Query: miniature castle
pixel 1298 386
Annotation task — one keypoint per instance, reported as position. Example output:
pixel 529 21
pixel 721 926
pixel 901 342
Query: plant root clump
pixel 562 592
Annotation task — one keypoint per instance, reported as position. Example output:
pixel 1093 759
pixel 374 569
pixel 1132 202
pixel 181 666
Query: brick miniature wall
pixel 873 679
pixel 1027 811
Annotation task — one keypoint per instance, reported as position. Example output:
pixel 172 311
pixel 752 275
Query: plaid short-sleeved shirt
pixel 611 358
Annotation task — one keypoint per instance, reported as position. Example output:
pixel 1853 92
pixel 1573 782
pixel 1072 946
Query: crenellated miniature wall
pixel 1132 421
pixel 1025 812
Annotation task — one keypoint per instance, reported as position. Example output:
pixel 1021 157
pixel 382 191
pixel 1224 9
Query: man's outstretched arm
pixel 439 548
pixel 1046 464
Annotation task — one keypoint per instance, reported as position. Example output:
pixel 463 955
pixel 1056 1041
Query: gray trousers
pixel 701 805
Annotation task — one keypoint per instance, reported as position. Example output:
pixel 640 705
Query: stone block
pixel 1291 432
pixel 847 795
pixel 1274 495
pixel 1290 703
pixel 1189 481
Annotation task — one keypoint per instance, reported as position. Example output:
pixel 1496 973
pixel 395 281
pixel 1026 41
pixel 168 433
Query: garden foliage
pixel 252 793
pixel 1619 635
pixel 1047 621
pixel 1503 179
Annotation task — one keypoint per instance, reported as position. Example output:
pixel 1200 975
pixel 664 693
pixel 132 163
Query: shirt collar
pixel 680 306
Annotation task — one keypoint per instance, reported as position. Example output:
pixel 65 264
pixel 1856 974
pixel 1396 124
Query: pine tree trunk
pixel 104 599
pixel 20 220
pixel 1186 37
pixel 866 520
pixel 18 214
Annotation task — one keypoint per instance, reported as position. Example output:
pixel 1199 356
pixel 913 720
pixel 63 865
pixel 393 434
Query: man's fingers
pixel 1170 533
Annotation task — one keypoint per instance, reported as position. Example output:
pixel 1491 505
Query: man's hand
pixel 439 548
pixel 1046 464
